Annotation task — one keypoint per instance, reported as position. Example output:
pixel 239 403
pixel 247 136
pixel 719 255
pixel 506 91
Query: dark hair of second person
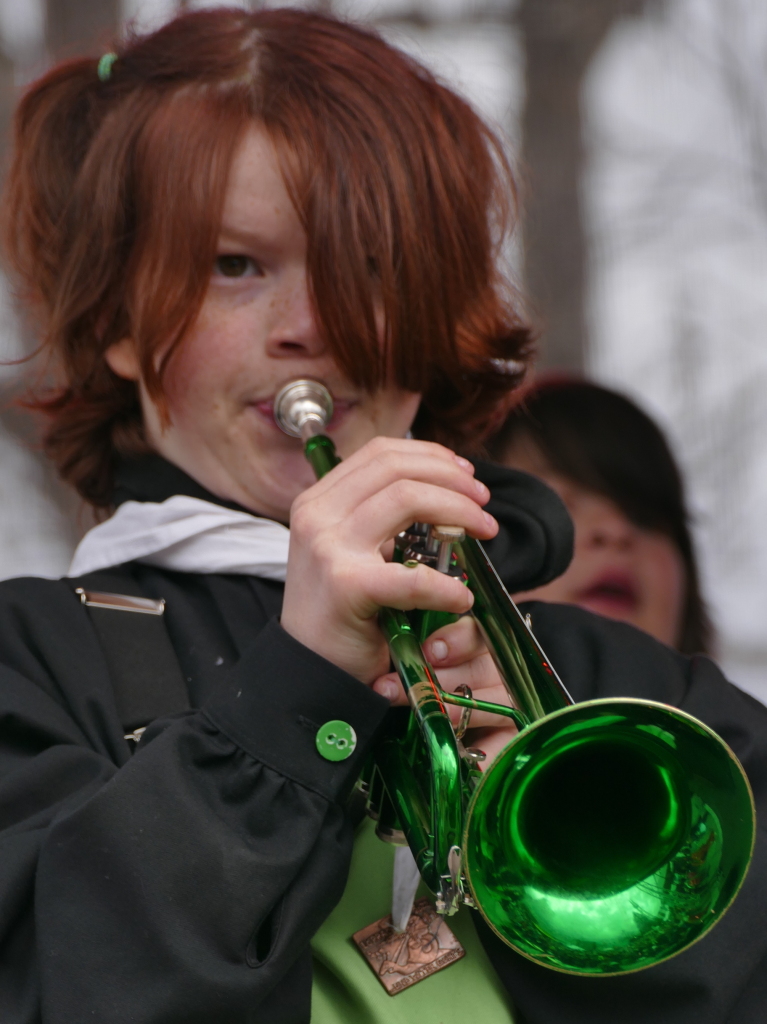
pixel 588 440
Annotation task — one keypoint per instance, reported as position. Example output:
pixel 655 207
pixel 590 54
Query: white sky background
pixel 676 194
pixel 676 204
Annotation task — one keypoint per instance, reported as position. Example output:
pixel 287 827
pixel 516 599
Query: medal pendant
pixel 402 959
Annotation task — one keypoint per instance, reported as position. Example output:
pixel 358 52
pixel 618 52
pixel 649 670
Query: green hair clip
pixel 106 63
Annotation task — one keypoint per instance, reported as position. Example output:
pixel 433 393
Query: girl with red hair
pixel 207 213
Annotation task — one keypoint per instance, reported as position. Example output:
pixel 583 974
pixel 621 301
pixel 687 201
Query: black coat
pixel 183 883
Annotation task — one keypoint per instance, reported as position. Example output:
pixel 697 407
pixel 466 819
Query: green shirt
pixel 346 991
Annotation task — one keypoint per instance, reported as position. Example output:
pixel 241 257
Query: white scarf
pixel 187 535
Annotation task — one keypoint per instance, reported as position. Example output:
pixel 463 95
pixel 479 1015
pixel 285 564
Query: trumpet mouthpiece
pixel 303 408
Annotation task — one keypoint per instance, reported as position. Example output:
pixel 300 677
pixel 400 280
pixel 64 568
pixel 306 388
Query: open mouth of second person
pixel 611 593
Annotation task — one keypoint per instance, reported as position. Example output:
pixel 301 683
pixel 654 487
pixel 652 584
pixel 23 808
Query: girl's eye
pixel 236 266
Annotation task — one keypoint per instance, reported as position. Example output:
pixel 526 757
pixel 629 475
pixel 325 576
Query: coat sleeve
pixel 184 883
pixel 720 979
pixel 535 539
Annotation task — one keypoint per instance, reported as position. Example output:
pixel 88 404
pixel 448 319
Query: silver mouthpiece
pixel 303 408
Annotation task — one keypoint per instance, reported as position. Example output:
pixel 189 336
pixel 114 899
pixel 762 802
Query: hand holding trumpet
pixel 341 543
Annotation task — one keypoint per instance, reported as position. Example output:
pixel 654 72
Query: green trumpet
pixel 605 838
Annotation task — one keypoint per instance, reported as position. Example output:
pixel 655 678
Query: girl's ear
pixel 122 359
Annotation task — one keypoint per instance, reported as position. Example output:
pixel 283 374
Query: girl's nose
pixel 295 331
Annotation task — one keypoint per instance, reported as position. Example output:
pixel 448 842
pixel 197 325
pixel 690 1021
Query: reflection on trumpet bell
pixel 609 836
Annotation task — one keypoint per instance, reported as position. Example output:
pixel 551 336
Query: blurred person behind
pixel 634 557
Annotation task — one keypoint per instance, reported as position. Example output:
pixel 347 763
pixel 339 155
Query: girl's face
pixel 256 331
pixel 619 570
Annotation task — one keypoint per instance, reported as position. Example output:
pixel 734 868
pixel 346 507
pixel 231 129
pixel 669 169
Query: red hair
pixel 115 193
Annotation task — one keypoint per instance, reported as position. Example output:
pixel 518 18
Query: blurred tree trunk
pixel 75 25
pixel 560 37
pixel 7 102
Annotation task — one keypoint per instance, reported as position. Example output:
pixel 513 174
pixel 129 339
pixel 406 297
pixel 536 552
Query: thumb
pixel 390 686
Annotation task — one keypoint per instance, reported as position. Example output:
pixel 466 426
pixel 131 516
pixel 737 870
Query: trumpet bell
pixel 609 836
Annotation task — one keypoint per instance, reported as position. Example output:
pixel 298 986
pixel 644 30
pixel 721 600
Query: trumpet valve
pixel 444 537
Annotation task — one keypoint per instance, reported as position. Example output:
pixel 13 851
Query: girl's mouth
pixel 341 409
pixel 614 593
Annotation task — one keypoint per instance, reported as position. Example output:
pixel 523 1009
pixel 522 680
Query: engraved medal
pixel 402 959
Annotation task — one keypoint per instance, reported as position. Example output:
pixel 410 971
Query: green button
pixel 336 740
